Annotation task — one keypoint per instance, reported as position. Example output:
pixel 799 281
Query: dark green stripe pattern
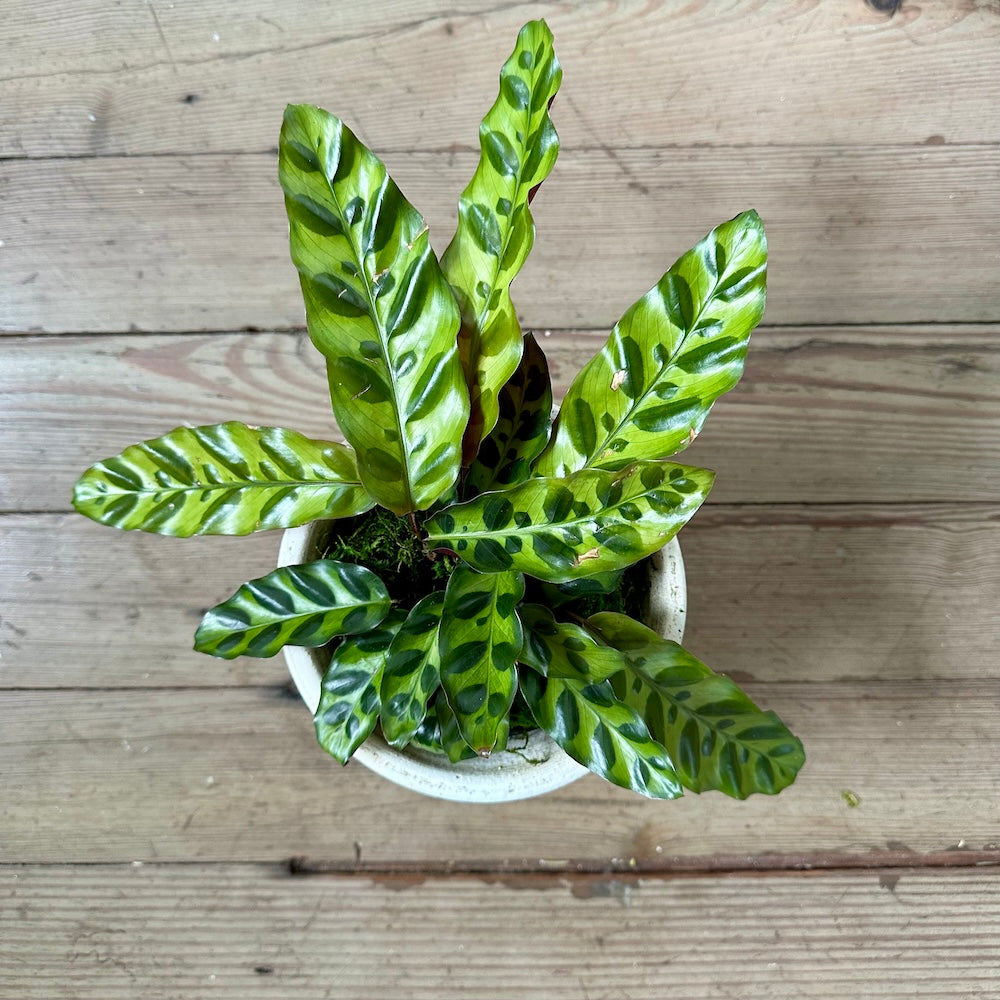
pixel 564 649
pixel 349 699
pixel 597 730
pixel 222 479
pixel 522 427
pixel 480 638
pixel 495 229
pixel 412 671
pixel 378 309
pixel 716 736
pixel 558 529
pixel 305 605
pixel 646 394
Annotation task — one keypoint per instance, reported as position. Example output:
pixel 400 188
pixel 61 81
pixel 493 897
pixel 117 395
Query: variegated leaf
pixel 222 479
pixel 412 671
pixel 590 522
pixel 680 347
pixel 305 605
pixel 563 649
pixel 522 427
pixel 480 637
pixel 596 729
pixel 717 737
pixel 495 228
pixel 349 698
pixel 379 310
pixel 449 735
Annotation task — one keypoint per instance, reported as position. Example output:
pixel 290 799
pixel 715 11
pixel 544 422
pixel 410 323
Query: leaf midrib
pixel 669 363
pixel 236 484
pixel 548 525
pixel 373 313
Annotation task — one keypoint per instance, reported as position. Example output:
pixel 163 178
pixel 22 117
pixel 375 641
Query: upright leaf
pixel 379 310
pixel 480 638
pixel 680 347
pixel 222 479
pixel 412 671
pixel 495 229
pixel 563 649
pixel 349 698
pixel 522 427
pixel 587 523
pixel 597 730
pixel 717 737
pixel 305 605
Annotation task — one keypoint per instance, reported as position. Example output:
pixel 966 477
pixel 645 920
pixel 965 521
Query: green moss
pixel 386 544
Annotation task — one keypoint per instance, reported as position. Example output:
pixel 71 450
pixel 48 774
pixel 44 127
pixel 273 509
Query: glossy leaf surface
pixel 522 427
pixel 590 522
pixel 495 229
pixel 378 308
pixel 222 479
pixel 563 649
pixel 412 671
pixel 646 394
pixel 480 638
pixel 305 605
pixel 349 699
pixel 716 736
pixel 449 735
pixel 597 730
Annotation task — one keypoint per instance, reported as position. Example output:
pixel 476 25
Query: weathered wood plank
pixel 237 775
pixel 252 931
pixel 162 78
pixel 775 593
pixel 199 243
pixel 821 415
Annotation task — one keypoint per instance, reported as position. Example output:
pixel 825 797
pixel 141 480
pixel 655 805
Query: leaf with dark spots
pixel 518 148
pixel 590 523
pixel 602 733
pixel 682 344
pixel 378 308
pixel 478 650
pixel 303 605
pixel 222 479
pixel 718 738
pixel 349 697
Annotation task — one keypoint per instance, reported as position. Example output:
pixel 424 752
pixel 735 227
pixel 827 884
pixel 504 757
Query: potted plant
pixel 469 559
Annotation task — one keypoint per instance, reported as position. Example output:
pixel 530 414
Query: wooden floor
pixel 168 827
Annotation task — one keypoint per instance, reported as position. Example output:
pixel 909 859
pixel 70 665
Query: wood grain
pixel 155 78
pixel 252 931
pixel 236 775
pixel 199 243
pixel 787 593
pixel 822 415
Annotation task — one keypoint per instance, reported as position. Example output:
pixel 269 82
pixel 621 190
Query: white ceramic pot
pixel 522 773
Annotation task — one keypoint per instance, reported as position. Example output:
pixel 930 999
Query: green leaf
pixel 305 605
pixel 495 229
pixel 480 638
pixel 716 736
pixel 597 730
pixel 449 735
pixel 222 479
pixel 562 649
pixel 379 310
pixel 349 698
pixel 587 523
pixel 522 428
pixel 412 671
pixel 680 347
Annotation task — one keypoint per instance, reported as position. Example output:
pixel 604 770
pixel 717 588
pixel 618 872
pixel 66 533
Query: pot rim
pixel 520 772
